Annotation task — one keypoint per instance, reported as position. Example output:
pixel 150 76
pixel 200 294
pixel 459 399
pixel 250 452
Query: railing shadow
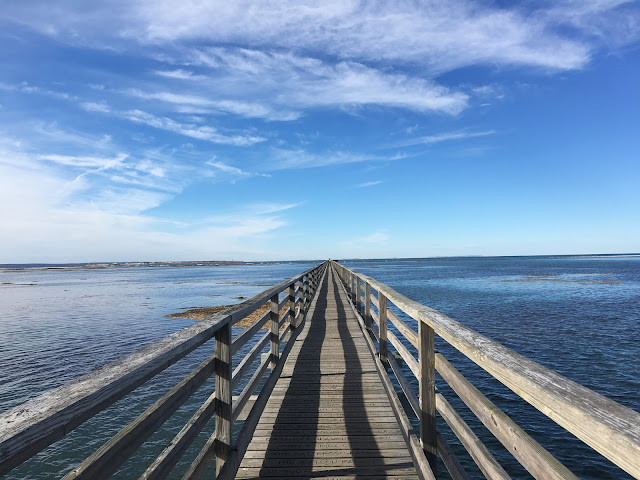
pixel 366 453
pixel 290 432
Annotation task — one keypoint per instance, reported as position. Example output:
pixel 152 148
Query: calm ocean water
pixel 578 316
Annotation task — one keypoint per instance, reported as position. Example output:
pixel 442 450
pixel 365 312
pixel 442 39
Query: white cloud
pixel 80 161
pixel 200 132
pixel 95 107
pixel 208 106
pixel 55 135
pixel 439 35
pixel 369 184
pixel 284 159
pixel 304 82
pixel 27 88
pixel 270 208
pixel 442 137
pixel 178 74
pixel 231 171
pixel 76 219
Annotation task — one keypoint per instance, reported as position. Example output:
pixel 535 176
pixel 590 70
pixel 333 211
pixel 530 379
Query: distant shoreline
pixel 226 263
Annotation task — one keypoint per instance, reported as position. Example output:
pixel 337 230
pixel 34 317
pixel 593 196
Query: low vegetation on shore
pixel 200 313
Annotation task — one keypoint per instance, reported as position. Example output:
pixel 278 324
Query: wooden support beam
pixel 427 392
pixel 382 318
pixel 367 305
pixel 275 329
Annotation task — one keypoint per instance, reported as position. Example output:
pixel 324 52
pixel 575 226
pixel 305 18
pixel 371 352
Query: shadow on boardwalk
pixel 329 415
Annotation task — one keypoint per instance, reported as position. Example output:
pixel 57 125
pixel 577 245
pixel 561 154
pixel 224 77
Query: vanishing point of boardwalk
pixel 329 414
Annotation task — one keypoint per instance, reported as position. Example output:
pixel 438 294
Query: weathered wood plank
pixel 382 323
pixel 110 456
pixel 162 466
pixel 427 392
pixel 450 460
pixel 245 336
pixel 483 458
pixel 403 328
pixel 399 452
pixel 244 396
pixel 247 361
pixel 223 405
pixel 406 355
pixel 330 472
pixel 531 455
pixel 406 389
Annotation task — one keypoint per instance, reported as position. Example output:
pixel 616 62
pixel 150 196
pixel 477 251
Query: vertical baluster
pixel 305 295
pixel 367 305
pixel 351 285
pixel 384 350
pixel 292 306
pixel 223 372
pixel 427 387
pixel 358 295
pixel 275 332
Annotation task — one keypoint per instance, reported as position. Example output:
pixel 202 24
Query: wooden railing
pixel 31 427
pixel 608 427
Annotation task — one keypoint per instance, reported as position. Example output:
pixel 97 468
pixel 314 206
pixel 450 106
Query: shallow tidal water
pixel 578 316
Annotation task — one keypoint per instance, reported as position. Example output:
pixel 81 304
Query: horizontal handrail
pixel 28 428
pixel 608 427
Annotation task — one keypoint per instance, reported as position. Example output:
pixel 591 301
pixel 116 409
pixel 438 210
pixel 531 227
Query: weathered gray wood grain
pixel 450 460
pixel 531 455
pixel 427 392
pixel 486 462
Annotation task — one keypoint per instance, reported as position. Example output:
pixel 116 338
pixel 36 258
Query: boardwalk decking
pixel 329 415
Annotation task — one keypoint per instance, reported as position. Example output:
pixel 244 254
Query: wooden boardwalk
pixel 329 415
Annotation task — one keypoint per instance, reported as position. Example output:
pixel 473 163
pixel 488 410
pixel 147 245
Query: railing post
pixel 351 285
pixel 292 306
pixel 223 373
pixel 358 295
pixel 367 305
pixel 275 331
pixel 427 387
pixel 305 295
pixel 382 313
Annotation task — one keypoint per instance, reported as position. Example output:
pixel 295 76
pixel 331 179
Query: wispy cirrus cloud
pixel 82 161
pixel 369 184
pixel 25 87
pixel 101 107
pixel 285 159
pixel 200 132
pixel 91 216
pixel 179 74
pixel 442 137
pixel 231 172
pixel 300 82
pixel 439 35
pixel 203 105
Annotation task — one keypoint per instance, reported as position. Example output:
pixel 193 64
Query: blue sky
pixel 140 130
